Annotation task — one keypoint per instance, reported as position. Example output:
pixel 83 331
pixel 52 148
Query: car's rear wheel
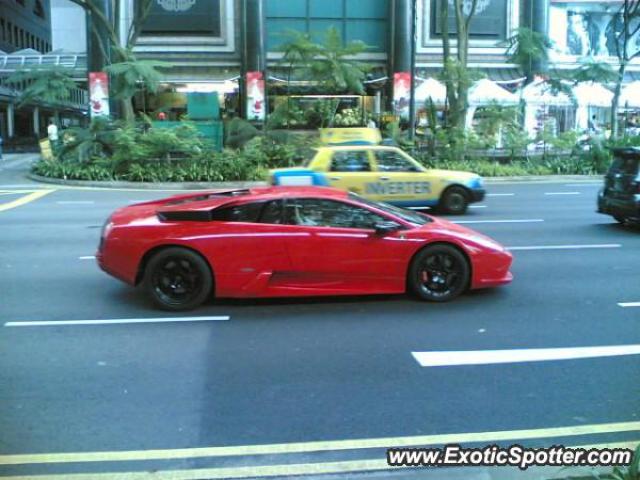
pixel 620 218
pixel 439 273
pixel 454 201
pixel 178 279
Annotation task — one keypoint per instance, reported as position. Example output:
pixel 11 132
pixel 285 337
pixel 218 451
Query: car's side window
pixel 350 161
pixel 389 161
pixel 246 212
pixel 314 212
pixel 272 212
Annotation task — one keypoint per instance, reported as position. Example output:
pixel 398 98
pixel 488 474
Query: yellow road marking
pixel 24 200
pixel 322 446
pixel 256 471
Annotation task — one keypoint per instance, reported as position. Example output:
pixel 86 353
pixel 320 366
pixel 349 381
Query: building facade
pixel 26 42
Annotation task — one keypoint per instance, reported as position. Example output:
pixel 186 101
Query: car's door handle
pixel 335 178
pixel 383 178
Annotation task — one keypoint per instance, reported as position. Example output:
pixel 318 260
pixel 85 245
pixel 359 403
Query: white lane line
pixel 477 206
pixel 486 357
pixel 58 323
pixel 565 247
pixel 524 220
pixel 87 257
pixel 629 304
pixel 500 194
pixel 563 193
pixel 75 202
pixel 586 184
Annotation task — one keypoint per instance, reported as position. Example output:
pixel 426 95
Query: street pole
pixel 412 96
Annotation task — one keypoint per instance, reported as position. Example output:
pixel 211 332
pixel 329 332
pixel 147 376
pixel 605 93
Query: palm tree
pixel 334 64
pixel 49 84
pixel 130 75
pixel 528 49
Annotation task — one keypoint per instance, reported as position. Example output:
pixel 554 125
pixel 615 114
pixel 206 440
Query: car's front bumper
pixel 477 195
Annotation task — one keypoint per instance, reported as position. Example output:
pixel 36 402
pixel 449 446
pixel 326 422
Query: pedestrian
pixel 52 133
pixel 372 123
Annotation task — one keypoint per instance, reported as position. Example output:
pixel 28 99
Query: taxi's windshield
pixel 407 215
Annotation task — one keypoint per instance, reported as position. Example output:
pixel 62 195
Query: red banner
pixel 99 94
pixel 401 93
pixel 255 96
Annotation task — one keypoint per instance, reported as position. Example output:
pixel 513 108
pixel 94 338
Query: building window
pixel 168 17
pixel 488 23
pixel 38 10
pixel 367 21
pixel 2 31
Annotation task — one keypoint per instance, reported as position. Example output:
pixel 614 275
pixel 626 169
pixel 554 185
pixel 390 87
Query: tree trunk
pixel 127 110
pixel 616 99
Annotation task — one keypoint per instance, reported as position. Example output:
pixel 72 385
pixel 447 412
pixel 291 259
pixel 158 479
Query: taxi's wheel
pixel 178 279
pixel 439 273
pixel 454 201
pixel 620 219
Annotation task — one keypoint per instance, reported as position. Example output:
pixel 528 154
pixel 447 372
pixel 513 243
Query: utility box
pixel 203 106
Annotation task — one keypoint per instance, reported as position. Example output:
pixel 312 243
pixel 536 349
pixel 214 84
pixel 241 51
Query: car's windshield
pixel 407 215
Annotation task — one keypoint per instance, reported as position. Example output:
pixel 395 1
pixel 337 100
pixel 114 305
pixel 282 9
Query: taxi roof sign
pixel 350 136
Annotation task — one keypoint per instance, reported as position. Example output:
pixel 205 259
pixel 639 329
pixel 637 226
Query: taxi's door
pixel 350 169
pixel 399 179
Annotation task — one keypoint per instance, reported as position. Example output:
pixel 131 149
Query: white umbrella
pixel 592 94
pixel 487 92
pixel 630 95
pixel 431 88
pixel 539 92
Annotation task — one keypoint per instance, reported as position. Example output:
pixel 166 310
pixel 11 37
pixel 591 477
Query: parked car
pixel 291 242
pixel 620 196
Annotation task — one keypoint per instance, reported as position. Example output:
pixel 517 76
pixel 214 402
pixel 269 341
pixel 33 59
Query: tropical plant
pixel 130 75
pixel 334 66
pixel 528 49
pixel 49 84
pixel 591 70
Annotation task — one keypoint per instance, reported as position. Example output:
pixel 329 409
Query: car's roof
pixel 215 198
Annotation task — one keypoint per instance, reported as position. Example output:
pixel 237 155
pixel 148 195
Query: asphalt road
pixel 290 371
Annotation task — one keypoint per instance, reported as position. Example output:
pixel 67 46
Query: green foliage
pixel 331 63
pixel 131 74
pixel 591 70
pixel 526 47
pixel 49 84
pixel 287 114
pixel 239 132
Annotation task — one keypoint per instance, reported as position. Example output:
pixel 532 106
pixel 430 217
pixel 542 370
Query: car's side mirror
pixel 382 228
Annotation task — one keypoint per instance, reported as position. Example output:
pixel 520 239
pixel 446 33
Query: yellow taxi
pixel 383 173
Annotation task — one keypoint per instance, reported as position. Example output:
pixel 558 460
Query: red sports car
pixel 292 241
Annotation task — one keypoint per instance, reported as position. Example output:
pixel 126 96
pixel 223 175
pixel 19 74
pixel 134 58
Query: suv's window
pixel 315 212
pixel 389 161
pixel 350 161
pixel 247 212
pixel 627 165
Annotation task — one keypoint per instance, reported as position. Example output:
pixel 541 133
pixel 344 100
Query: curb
pixel 213 185
pixel 144 185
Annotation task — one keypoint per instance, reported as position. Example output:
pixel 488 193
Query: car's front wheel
pixel 439 273
pixel 177 279
pixel 454 201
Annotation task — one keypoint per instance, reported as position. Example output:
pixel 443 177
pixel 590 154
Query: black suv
pixel 620 196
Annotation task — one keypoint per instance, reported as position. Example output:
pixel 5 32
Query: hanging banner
pixel 99 94
pixel 255 96
pixel 401 93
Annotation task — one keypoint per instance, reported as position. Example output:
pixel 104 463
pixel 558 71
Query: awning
pixel 486 92
pixel 540 92
pixel 592 94
pixel 630 95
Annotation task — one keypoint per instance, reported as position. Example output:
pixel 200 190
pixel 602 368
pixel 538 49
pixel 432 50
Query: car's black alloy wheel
pixel 439 273
pixel 454 201
pixel 178 279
